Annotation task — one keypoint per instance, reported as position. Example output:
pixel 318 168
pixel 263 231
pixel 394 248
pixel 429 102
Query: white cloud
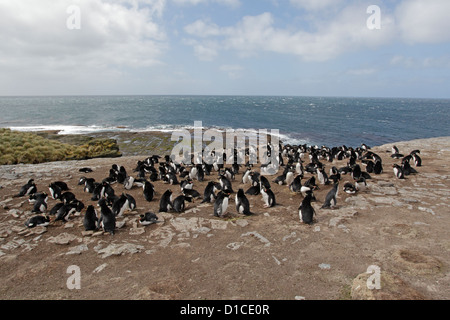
pixel 314 5
pixel 422 21
pixel 232 70
pixel 113 35
pixel 346 32
pixel 230 3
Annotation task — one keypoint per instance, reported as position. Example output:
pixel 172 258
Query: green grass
pixel 30 148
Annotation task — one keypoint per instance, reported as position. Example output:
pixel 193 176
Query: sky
pixel 351 48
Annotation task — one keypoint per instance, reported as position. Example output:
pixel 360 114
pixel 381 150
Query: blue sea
pixel 311 120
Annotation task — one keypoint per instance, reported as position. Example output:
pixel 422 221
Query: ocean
pixel 312 120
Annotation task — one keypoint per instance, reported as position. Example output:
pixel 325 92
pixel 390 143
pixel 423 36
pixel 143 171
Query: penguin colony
pixel 303 171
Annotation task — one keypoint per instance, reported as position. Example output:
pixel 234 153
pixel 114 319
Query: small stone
pixel 324 266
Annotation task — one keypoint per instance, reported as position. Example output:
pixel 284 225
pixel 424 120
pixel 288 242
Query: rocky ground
pixel 400 226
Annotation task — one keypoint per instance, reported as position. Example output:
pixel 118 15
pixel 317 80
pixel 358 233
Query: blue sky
pixel 225 47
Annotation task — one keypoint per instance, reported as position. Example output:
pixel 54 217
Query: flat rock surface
pixel 401 226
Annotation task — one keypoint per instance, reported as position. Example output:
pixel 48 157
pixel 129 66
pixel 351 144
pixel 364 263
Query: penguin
pixel 268 197
pixel 33 198
pixel 179 203
pixel 349 188
pixel 38 221
pixel 296 184
pixel 394 150
pixel 311 183
pixel 330 200
pixel 40 205
pixel 67 197
pixel 89 185
pixel 322 176
pixel 64 212
pixel 86 170
pixel 131 202
pixel 209 193
pixel 417 160
pixel 171 178
pixel 55 209
pixel 107 219
pixel 253 191
pixel 62 185
pixel 221 204
pixel 124 203
pixel 356 172
pixel 246 176
pixel 194 194
pixel 264 183
pixel 90 219
pixel 55 191
pixel 148 218
pixel 306 211
pixel 280 180
pixel 361 184
pixel 225 184
pixel 378 167
pixel 187 184
pixel 254 179
pixel 398 171
pixel 149 191
pixel 407 169
pixel 27 189
pixel 129 182
pixel 369 166
pixel 242 203
pixel 106 190
pixel 165 204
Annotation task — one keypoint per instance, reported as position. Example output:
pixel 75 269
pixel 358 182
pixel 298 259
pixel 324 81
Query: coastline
pixel 396 225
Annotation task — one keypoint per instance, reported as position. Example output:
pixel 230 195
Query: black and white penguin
pixel 149 191
pixel 246 176
pixel 38 221
pixel 268 197
pixel 62 185
pixel 107 220
pixel 221 204
pixel 39 196
pixel 86 170
pixel 378 167
pixel 55 191
pixel 148 218
pixel 407 169
pixel 306 211
pixel 242 203
pixel 361 184
pixel 296 184
pixel 89 185
pixel 398 171
pixel 194 194
pixel 330 200
pixel 90 220
pixel 253 191
pixel 53 211
pixel 356 172
pixel 171 178
pixel 417 160
pixel 225 184
pixel 209 194
pixel 349 188
pixel 67 197
pixel 40 206
pixel 120 206
pixel 179 203
pixel 129 182
pixel 27 189
pixel 187 184
pixel 264 183
pixel 322 176
pixel 165 204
